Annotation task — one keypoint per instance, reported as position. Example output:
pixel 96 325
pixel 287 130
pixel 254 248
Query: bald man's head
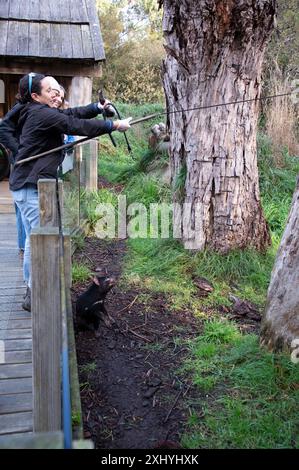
pixel 58 92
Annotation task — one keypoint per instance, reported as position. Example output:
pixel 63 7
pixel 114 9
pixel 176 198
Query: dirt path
pixel 132 397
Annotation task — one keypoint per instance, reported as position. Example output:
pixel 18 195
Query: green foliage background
pixel 132 35
pixel 133 41
pixel 283 50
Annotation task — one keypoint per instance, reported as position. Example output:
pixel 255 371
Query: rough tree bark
pixel 215 52
pixel 280 324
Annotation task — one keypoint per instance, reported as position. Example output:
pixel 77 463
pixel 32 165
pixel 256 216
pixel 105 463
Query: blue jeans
pixel 26 200
pixel 20 229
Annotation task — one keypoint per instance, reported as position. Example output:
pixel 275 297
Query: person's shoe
pixel 26 305
pixel 27 292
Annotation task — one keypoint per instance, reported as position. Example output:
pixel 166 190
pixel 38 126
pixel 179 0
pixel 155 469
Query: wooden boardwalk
pixel 15 333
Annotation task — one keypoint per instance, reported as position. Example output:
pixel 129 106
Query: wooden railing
pixel 51 302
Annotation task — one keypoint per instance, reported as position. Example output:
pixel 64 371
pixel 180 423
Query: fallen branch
pixel 188 388
pixel 139 326
pixel 172 408
pixel 86 256
pixel 128 306
pixel 127 330
pixel 140 336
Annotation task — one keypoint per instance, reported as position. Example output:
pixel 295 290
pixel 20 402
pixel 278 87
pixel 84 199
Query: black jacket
pixel 10 131
pixel 9 135
pixel 41 128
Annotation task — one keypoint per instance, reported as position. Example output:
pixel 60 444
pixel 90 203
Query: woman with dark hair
pixel 31 83
pixel 9 137
pixel 41 129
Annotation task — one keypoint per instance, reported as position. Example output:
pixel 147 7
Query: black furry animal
pixel 90 308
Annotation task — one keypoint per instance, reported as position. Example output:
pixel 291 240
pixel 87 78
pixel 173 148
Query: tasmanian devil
pixel 90 308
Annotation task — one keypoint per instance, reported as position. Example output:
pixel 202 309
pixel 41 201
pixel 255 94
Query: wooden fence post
pixel 46 329
pixel 91 171
pixel 47 314
pixel 48 211
pixel 74 379
pixel 46 311
pixel 78 167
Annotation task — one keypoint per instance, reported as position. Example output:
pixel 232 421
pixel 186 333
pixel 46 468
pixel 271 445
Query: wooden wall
pixel 11 89
pixel 78 90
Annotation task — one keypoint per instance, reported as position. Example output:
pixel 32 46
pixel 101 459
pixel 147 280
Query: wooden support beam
pixel 74 379
pixel 48 209
pixel 64 68
pixel 80 91
pixel 46 329
pixel 91 166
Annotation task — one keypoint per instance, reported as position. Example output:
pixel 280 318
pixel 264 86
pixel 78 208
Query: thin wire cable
pixel 152 116
pixel 198 108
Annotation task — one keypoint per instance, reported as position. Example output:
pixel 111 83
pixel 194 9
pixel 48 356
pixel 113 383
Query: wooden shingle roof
pixel 54 29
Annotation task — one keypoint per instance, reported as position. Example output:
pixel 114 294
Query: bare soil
pixel 132 397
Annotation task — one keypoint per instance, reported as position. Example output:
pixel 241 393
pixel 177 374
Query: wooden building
pixel 58 38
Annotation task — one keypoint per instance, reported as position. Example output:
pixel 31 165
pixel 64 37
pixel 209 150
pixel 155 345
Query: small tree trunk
pixel 281 319
pixel 215 52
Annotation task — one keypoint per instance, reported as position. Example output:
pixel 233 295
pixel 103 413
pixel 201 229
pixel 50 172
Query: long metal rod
pixel 56 149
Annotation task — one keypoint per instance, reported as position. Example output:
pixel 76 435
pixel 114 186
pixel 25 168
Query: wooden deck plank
pixel 15 403
pixel 15 324
pixel 11 299
pixel 14 277
pixel 16 286
pixel 16 357
pixel 15 315
pixel 29 440
pixel 15 371
pixel 15 422
pixel 18 345
pixel 17 272
pixel 8 267
pixel 20 333
pixel 11 307
pixel 15 386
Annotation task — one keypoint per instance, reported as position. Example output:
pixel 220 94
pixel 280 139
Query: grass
pixel 248 397
pixel 91 201
pixel 160 266
pixel 117 164
pixel 256 404
pixel 277 184
pixel 146 189
pixel 80 272
pixel 76 418
pixel 245 273
pixel 79 241
pixel 164 266
pixel 88 368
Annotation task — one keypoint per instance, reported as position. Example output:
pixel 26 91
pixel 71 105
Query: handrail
pixel 51 303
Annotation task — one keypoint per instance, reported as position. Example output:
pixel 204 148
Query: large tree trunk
pixel 280 324
pixel 215 52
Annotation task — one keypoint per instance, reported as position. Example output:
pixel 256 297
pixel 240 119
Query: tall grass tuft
pixel 281 120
